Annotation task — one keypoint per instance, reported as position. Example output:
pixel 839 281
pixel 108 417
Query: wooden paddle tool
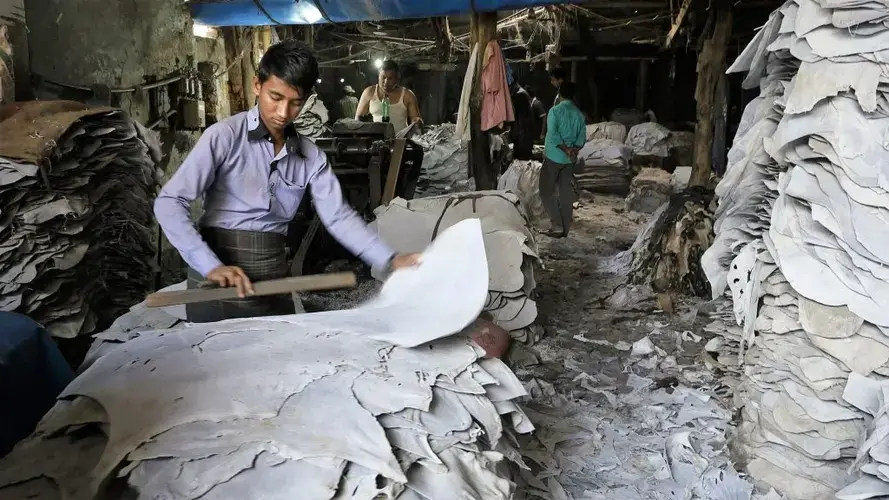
pixel 311 283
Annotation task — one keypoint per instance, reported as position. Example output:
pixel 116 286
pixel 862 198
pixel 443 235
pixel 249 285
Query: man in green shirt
pixel 565 135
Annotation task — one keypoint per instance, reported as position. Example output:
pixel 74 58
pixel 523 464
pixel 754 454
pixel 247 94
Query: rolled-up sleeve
pixel 340 219
pixel 173 205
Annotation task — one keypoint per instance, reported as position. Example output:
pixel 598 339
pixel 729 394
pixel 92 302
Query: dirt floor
pixel 622 402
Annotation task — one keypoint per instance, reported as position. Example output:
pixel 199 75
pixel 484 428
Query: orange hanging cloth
pixel 496 101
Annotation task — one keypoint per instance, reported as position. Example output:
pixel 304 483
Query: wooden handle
pixel 311 283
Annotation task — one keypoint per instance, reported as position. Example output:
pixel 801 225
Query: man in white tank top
pixel 403 107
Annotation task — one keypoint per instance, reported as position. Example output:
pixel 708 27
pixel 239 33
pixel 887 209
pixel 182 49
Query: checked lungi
pixel 262 256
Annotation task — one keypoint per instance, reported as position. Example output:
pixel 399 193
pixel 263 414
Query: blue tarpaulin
pixel 249 13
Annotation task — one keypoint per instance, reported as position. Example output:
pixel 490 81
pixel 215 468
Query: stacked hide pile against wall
pixel 445 160
pixel 77 243
pixel 604 167
pixel 378 402
pixel 313 118
pixel 522 178
pixel 802 251
pixel 509 242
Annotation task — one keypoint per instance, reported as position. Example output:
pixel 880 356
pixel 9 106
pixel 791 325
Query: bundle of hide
pixel 802 213
pixel 77 243
pixel 377 402
pixel 650 189
pixel 649 139
pixel 509 242
pixel 522 178
pixel 604 167
pixel 313 118
pixel 445 160
pixel 607 130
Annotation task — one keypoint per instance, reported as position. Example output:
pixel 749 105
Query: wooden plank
pixel 394 170
pixel 683 10
pixel 312 283
pixel 374 174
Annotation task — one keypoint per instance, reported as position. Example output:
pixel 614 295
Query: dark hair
pixel 389 65
pixel 567 90
pixel 558 73
pixel 291 61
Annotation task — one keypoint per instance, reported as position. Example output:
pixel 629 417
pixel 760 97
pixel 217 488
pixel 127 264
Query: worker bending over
pixel 252 170
pixel 389 101
pixel 565 135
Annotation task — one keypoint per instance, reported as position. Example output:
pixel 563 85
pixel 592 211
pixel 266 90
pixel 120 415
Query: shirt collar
pixel 256 130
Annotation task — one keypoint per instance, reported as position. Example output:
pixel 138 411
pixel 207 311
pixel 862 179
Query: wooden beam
pixel 394 170
pixel 711 66
pixel 683 10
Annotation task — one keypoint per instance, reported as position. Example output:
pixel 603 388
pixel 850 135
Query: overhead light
pixel 204 31
pixel 378 63
pixel 342 80
pixel 319 81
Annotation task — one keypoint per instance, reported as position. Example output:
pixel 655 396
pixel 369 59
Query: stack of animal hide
pixel 799 251
pixel 606 130
pixel 313 118
pixel 603 166
pixel 378 402
pixel 77 243
pixel 445 160
pixel 649 140
pixel 509 242
pixel 522 178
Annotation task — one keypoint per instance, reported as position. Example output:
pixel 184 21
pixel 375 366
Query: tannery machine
pixel 373 167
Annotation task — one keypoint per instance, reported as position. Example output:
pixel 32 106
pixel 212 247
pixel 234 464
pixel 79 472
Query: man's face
pixel 556 82
pixel 279 103
pixel 388 80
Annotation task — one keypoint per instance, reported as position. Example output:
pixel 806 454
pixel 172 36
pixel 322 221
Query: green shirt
pixel 565 125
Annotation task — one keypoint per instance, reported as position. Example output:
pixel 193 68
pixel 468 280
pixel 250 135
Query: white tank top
pixel 397 110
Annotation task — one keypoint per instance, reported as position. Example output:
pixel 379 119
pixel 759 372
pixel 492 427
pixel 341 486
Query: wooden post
pixel 247 68
pixel 711 66
pixel 234 49
pixel 483 29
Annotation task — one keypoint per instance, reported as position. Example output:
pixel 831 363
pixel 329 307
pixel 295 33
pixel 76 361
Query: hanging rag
pixel 462 129
pixel 496 101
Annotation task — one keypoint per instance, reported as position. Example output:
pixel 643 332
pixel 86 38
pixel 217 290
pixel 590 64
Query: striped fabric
pixel 262 256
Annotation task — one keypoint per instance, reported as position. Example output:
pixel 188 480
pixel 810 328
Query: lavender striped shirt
pixel 245 186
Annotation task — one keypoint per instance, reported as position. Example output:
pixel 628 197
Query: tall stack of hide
pixel 77 237
pixel 800 251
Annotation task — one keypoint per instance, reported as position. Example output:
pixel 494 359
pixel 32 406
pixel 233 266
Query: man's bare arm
pixel 364 103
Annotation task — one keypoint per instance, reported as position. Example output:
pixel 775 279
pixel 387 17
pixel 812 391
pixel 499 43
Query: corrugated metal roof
pixel 248 12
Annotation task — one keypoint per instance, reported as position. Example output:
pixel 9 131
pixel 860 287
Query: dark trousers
pixel 557 193
pixel 262 256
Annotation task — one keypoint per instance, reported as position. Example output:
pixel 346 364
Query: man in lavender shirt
pixel 252 171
